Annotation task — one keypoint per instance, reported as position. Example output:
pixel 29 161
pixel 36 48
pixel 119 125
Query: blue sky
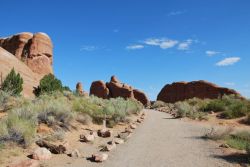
pixel 146 43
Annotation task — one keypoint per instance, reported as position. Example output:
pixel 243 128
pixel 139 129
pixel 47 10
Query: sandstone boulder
pixel 35 50
pixel 180 91
pixel 104 133
pixel 75 154
pixel 100 157
pixel 141 96
pixel 41 154
pixel 99 89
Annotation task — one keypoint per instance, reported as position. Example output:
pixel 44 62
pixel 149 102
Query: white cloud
pixel 134 47
pixel 162 43
pixel 228 61
pixel 230 83
pixel 175 13
pixel 185 45
pixel 211 52
pixel 88 48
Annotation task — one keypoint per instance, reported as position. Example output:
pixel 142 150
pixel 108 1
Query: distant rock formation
pixel 35 50
pixel 79 89
pixel 179 91
pixel 115 88
pixel 29 54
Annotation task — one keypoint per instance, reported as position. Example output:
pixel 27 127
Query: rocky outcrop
pixel 35 50
pixel 115 88
pixel 99 89
pixel 29 54
pixel 79 89
pixel 180 91
pixel 141 96
pixel 9 61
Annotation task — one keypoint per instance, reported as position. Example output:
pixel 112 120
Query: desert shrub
pixel 183 109
pixel 19 126
pixel 86 106
pixel 215 105
pixel 54 111
pixel 239 140
pixel 48 84
pixel 13 83
pixel 236 110
pixel 217 134
pixel 85 119
pixel 158 104
pixel 55 136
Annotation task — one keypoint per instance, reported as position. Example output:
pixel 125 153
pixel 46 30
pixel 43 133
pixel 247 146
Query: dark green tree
pixel 48 84
pixel 13 83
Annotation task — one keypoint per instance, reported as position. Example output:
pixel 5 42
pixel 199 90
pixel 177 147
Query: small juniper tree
pixel 48 84
pixel 13 83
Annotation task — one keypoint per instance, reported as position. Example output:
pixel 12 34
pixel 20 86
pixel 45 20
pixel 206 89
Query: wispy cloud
pixel 211 53
pixel 230 83
pixel 185 45
pixel 134 47
pixel 228 61
pixel 88 48
pixel 161 42
pixel 175 13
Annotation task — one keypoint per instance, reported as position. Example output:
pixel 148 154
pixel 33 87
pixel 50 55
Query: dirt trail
pixel 163 142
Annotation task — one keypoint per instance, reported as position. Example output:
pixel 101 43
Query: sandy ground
pixel 160 141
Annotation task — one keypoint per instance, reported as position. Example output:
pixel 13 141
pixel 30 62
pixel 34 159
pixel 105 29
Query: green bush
pixel 239 140
pixel 19 126
pixel 54 110
pixel 48 84
pixel 13 83
pixel 236 110
pixel 215 105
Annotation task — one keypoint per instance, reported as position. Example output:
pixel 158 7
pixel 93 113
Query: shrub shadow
pixel 234 158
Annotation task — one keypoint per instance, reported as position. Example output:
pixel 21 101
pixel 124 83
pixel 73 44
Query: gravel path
pixel 164 142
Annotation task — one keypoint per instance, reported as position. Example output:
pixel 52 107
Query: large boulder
pixel 35 50
pixel 180 91
pixel 99 89
pixel 141 96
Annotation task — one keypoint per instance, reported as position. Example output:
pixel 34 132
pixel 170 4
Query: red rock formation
pixel 33 49
pixel 180 91
pixel 141 96
pixel 99 89
pixel 30 55
pixel 79 89
pixel 119 90
pixel 115 88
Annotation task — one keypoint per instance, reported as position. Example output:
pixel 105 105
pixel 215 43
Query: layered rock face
pixel 29 54
pixel 35 50
pixel 115 88
pixel 180 91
